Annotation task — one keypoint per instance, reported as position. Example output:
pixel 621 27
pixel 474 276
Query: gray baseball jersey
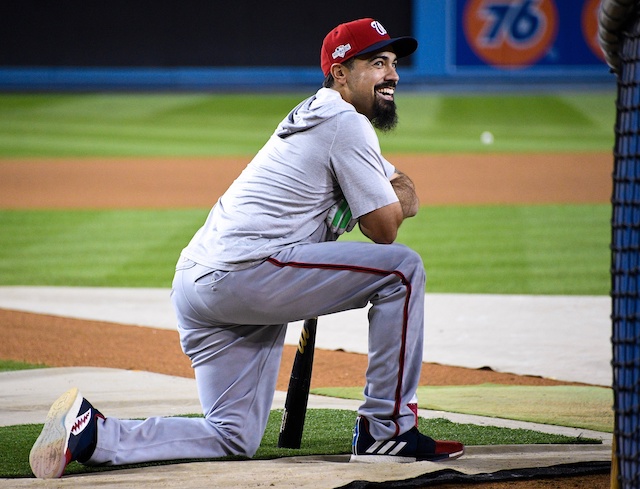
pixel 322 150
pixel 265 257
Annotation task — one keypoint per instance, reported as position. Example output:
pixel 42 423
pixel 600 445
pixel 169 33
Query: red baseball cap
pixel 358 37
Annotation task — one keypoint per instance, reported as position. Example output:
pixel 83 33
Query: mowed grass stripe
pixel 545 249
pixel 239 124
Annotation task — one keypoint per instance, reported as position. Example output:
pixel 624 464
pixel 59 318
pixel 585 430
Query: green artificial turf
pixel 119 124
pixel 326 432
pixel 484 249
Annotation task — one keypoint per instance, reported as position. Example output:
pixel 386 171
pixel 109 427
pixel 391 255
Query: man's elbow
pixel 381 226
pixel 380 236
pixel 387 237
pixel 385 240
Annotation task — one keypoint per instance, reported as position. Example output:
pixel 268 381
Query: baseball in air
pixel 486 137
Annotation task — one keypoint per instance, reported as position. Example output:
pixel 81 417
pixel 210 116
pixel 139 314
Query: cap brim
pixel 402 46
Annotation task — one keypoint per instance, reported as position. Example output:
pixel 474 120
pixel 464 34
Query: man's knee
pixel 411 264
pixel 247 445
pixel 238 441
pixel 239 447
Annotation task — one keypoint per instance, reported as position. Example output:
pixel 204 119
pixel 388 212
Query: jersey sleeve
pixel 359 168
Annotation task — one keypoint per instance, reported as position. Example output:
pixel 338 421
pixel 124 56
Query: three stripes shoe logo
pixel 362 439
pixel 389 447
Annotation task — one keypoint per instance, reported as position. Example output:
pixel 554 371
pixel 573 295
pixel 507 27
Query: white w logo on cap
pixel 378 27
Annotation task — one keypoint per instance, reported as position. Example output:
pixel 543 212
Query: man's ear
pixel 339 72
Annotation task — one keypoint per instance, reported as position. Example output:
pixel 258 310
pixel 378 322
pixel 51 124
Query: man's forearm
pixel 406 192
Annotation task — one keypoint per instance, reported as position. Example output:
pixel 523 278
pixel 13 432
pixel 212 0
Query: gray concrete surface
pixel 316 472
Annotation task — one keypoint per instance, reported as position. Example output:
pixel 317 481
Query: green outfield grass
pixel 490 249
pixel 543 249
pixel 235 124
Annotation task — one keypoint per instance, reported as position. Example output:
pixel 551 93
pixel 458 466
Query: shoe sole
pixel 380 459
pixel 48 457
pixel 445 457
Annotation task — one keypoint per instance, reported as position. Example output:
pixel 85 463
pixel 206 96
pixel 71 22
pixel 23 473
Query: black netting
pixel 625 262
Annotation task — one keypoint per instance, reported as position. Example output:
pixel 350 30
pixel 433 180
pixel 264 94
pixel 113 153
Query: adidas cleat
pixel 411 446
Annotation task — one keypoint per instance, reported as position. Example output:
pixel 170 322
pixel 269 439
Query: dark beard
pixel 385 117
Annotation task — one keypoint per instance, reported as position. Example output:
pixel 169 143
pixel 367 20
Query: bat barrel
pixel 295 406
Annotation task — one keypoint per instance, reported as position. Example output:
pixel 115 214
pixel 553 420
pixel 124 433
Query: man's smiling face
pixel 371 87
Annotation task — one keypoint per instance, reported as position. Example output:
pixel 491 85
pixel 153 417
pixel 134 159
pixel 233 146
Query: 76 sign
pixel 510 33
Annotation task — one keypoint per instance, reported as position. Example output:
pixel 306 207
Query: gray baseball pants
pixel 232 325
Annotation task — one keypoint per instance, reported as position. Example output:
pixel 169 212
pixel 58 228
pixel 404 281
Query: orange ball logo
pixel 510 33
pixel 590 27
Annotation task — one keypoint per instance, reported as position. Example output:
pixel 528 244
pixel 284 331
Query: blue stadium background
pixel 211 45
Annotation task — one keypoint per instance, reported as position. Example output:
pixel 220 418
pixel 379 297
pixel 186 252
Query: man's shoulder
pixel 328 100
pixel 353 122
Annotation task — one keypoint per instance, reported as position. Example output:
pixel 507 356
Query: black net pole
pixel 625 262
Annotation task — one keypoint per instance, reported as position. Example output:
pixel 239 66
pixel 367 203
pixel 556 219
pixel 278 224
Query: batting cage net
pixel 625 246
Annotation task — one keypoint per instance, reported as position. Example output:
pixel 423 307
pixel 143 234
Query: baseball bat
pixel 295 406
